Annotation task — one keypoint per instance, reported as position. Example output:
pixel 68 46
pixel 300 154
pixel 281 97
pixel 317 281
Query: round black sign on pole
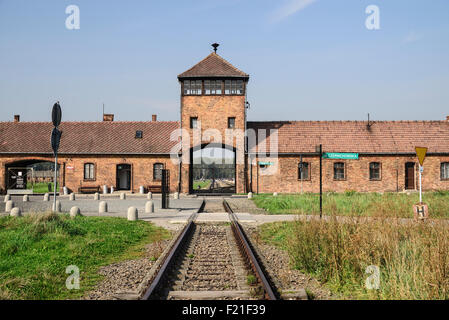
pixel 56 114
pixel 55 139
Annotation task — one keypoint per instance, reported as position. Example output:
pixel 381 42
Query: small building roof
pixel 355 136
pixel 108 137
pixel 213 66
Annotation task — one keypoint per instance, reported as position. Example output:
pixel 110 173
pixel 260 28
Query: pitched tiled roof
pixel 354 136
pixel 293 136
pixel 88 137
pixel 213 66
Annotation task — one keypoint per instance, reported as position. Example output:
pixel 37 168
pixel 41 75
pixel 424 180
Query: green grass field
pixel 355 204
pixel 201 184
pixel 41 187
pixel 35 251
pixel 413 261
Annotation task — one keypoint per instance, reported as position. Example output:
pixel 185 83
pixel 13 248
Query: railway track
pixel 210 261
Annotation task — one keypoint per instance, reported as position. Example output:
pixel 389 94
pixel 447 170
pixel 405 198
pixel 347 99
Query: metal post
pixel 420 184
pixel 321 181
pixel 300 170
pixel 55 182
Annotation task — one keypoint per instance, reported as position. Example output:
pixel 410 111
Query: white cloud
pixel 289 8
pixel 412 37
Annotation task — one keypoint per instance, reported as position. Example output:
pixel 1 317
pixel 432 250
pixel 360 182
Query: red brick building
pixel 127 155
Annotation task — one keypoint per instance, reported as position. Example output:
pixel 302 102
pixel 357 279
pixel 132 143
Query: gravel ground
pixel 210 264
pixel 125 276
pixel 280 268
pixel 244 205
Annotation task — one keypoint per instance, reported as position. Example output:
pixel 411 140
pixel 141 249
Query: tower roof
pixel 213 66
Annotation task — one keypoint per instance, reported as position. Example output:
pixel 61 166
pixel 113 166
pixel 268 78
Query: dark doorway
pixel 30 176
pixel 213 170
pixel 123 177
pixel 410 176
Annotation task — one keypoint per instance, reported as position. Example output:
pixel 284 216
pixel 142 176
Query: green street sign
pixel 264 163
pixel 339 155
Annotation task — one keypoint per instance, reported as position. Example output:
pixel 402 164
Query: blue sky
pixel 307 60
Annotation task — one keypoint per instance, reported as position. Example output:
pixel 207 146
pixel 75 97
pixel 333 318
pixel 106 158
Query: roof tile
pixel 88 137
pixel 213 66
pixel 354 136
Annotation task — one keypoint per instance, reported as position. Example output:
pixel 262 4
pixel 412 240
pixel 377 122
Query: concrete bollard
pixel 96 196
pixel 103 207
pixel 149 195
pixel 9 205
pixel 176 195
pixel 72 197
pixel 25 198
pixel 65 190
pixel 7 198
pixel 141 190
pixel 275 194
pixel 250 195
pixel 74 211
pixel 105 189
pixel 58 206
pixel 122 196
pixel 47 197
pixel 112 189
pixel 132 214
pixel 149 207
pixel 15 212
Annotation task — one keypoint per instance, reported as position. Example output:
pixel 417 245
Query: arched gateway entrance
pixel 212 169
pixel 30 176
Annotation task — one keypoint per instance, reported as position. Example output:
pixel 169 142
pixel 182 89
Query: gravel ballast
pixel 279 267
pixel 125 276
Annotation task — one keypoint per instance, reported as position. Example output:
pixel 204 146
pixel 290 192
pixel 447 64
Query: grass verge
pixel 42 187
pixel 35 251
pixel 355 204
pixel 201 184
pixel 413 261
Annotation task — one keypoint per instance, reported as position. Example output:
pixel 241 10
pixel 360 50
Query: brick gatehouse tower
pixel 213 105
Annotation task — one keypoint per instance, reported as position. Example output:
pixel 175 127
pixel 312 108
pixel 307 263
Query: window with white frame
pixel 192 87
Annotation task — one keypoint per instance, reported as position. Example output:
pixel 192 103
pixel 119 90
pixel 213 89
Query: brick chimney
pixel 154 117
pixel 17 118
pixel 108 117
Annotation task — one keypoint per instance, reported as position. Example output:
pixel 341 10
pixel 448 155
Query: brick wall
pixel 213 112
pixel 72 170
pixel 284 180
pixel 392 179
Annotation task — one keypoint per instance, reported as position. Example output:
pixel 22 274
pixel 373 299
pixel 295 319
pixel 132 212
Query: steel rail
pixel 170 256
pixel 248 254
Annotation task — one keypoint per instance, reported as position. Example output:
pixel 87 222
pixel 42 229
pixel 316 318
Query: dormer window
pixel 192 87
pixel 139 134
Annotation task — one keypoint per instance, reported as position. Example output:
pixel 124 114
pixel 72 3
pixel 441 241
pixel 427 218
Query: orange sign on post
pixel 421 153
